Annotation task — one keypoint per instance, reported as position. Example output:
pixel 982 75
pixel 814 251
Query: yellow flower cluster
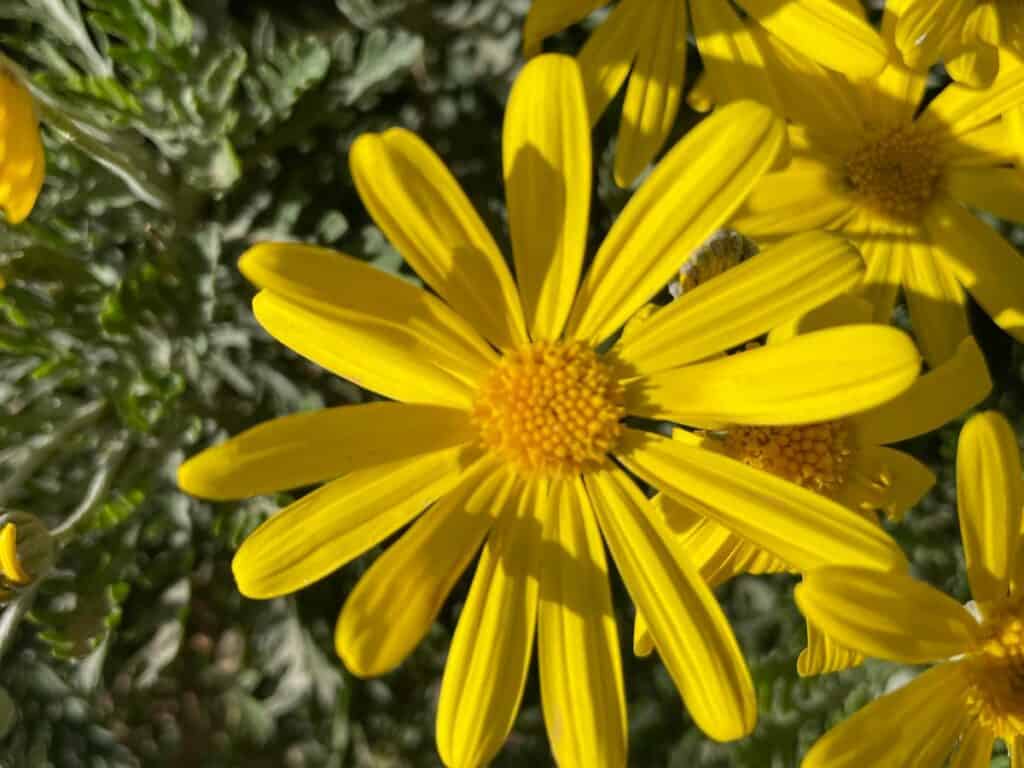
pixel 519 422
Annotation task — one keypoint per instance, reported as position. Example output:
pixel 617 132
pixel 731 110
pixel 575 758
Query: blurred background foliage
pixel 178 134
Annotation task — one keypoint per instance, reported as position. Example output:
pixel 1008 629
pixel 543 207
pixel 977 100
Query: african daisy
pixel 900 181
pixel 975 692
pixel 505 425
pixel 846 459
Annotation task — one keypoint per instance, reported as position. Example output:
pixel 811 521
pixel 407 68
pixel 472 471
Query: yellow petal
pixel 397 600
pixel 845 309
pixel 824 31
pixel 973 64
pixel 692 192
pixel 824 655
pixel 961 109
pixel 915 725
pixel 336 308
pixel 423 211
pixel 808 194
pixel 689 629
pixel 886 258
pixel 990 495
pixel 925 27
pixel 1011 132
pixel 886 615
pixel 997 190
pixel 975 748
pixel 936 398
pixel 937 304
pixel 549 17
pixel 733 62
pixel 746 301
pixel 22 163
pixel 325 529
pixel 313 447
pixel 490 652
pixel 402 362
pixel 577 642
pixel 988 145
pixel 718 554
pixel 818 99
pixel 643 643
pixel 546 153
pixel 608 55
pixel 893 96
pixel 654 91
pixel 796 525
pixel 1017 752
pixel 11 568
pixel 885 480
pixel 820 376
pixel 988 267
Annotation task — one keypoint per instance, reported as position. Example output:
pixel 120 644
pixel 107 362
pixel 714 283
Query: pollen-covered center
pixel 896 172
pixel 815 456
pixel 550 408
pixel 996 670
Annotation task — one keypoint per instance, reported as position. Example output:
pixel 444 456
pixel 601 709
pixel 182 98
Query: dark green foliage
pixel 177 135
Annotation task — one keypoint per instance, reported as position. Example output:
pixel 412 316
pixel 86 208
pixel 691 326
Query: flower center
pixel 550 408
pixel 815 456
pixel 996 668
pixel 896 173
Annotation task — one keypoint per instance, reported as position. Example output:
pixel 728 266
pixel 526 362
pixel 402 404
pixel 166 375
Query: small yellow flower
pixel 846 459
pixel 975 692
pixel 965 34
pixel 506 429
pixel 11 568
pixel 27 551
pixel 645 41
pixel 21 150
pixel 900 181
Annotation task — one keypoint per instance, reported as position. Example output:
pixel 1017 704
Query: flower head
pixel 506 432
pixel 975 693
pixel 848 460
pixel 21 150
pixel 900 181
pixel 644 41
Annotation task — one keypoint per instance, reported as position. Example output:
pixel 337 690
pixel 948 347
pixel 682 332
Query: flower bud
pixel 26 550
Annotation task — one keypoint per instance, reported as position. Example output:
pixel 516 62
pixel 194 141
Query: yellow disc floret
pixel 550 408
pixel 815 456
pixel 996 670
pixel 896 172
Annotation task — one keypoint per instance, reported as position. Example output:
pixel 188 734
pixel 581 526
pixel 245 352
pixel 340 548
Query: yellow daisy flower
pixel 965 34
pixel 21 150
pixel 645 41
pixel 507 419
pixel 900 181
pixel 975 692
pixel 847 460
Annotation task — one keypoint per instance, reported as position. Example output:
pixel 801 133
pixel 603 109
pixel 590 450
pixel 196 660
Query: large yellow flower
pixel 21 150
pixel 848 460
pixel 508 427
pixel 645 40
pixel 900 181
pixel 975 693
pixel 965 34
